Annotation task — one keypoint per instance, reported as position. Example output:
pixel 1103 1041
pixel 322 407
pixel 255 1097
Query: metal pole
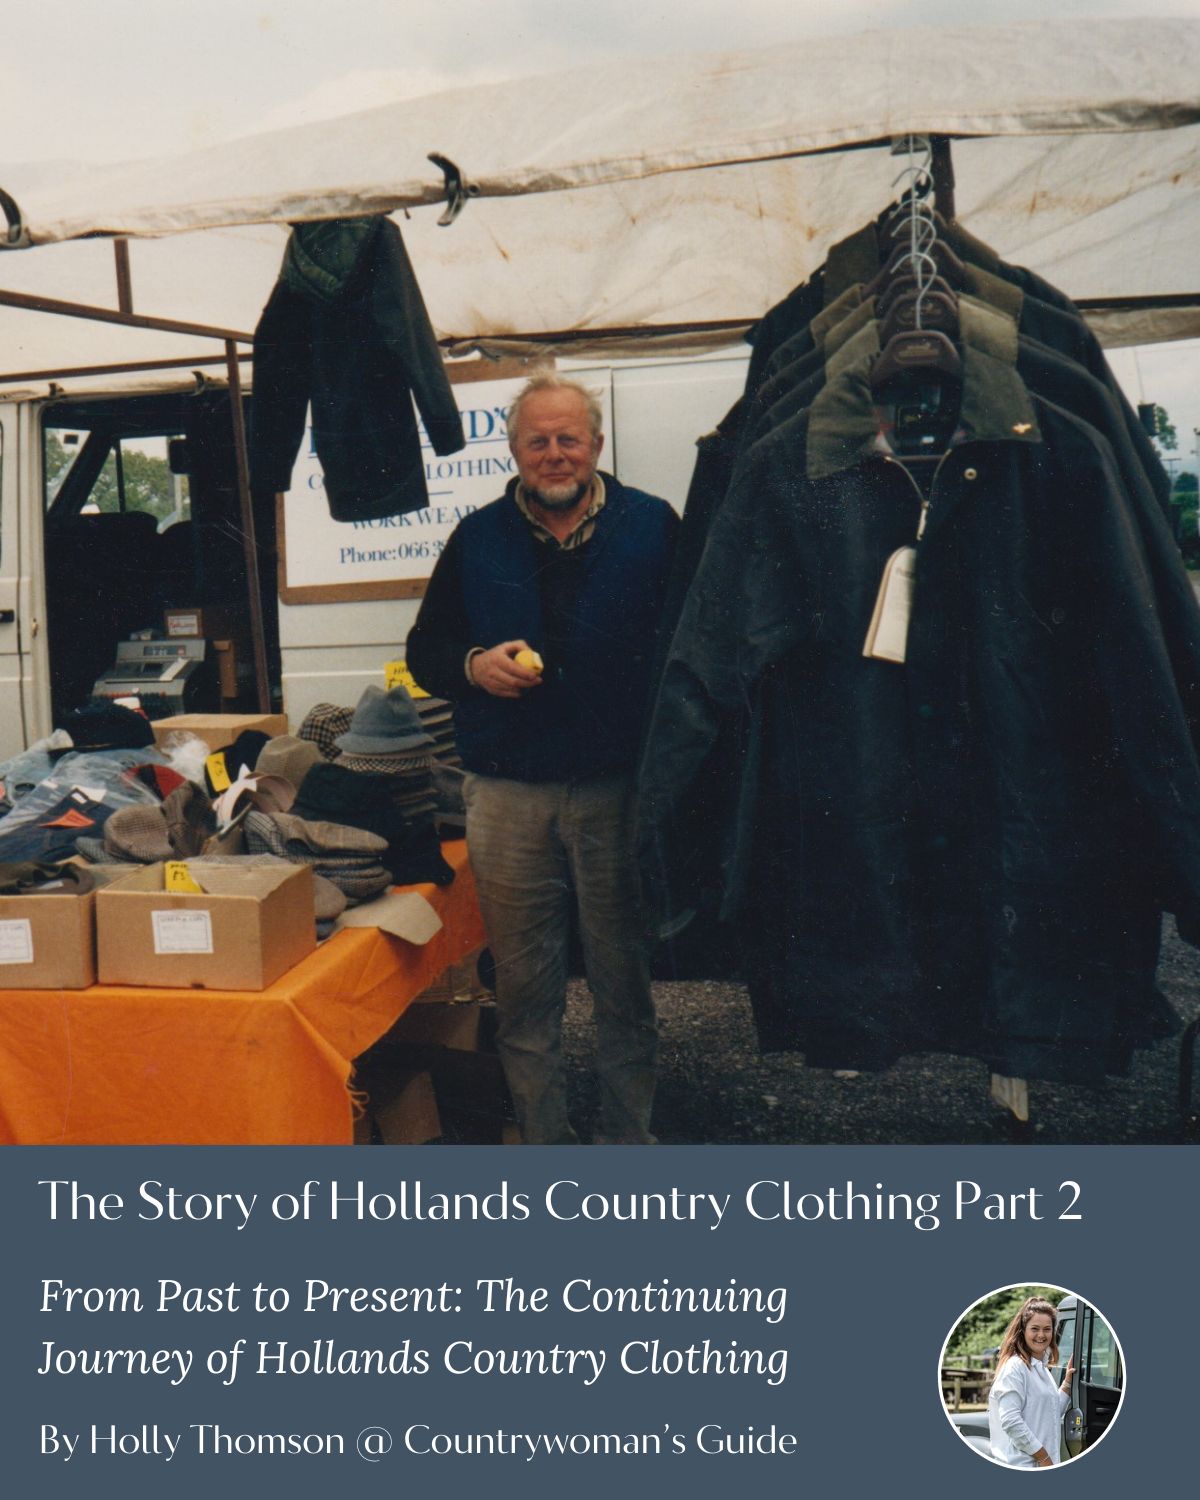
pixel 124 275
pixel 128 367
pixel 126 319
pixel 943 176
pixel 262 680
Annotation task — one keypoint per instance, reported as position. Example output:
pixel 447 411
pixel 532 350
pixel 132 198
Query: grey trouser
pixel 530 843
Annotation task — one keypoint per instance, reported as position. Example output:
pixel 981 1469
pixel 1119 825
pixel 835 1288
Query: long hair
pixel 1013 1341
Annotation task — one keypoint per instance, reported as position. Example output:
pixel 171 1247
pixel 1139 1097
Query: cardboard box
pixel 47 942
pixel 410 1117
pixel 400 1108
pixel 247 928
pixel 467 1026
pixel 218 730
pixel 205 620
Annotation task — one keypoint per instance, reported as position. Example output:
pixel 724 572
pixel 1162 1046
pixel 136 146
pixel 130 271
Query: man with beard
pixel 539 624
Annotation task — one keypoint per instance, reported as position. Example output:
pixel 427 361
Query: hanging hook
pixel 458 189
pixel 922 228
pixel 16 227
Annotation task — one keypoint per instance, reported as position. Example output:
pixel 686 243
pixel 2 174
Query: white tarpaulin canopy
pixel 674 197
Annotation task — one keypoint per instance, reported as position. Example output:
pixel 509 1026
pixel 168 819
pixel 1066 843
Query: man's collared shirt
pixel 582 532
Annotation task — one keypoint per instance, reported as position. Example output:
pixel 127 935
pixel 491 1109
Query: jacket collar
pixel 855 260
pixel 983 327
pixel 995 407
pixel 322 259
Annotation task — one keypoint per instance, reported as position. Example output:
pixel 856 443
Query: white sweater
pixel 1025 1410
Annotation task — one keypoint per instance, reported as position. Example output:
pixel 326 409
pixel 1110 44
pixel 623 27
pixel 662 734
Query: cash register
pixel 168 677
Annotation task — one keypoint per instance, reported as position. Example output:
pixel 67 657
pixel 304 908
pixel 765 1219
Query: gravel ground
pixel 716 1088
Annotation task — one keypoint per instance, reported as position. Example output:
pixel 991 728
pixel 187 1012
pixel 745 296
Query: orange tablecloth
pixel 137 1066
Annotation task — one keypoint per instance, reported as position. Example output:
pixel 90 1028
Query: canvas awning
pixel 664 202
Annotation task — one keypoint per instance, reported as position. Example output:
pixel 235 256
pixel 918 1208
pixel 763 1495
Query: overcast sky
pixel 107 80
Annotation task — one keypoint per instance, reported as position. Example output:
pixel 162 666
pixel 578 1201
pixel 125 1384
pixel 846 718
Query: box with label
pixel 218 730
pixel 241 931
pixel 205 620
pixel 47 942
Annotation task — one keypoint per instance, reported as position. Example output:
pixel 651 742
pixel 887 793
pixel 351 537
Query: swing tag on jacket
pixel 887 634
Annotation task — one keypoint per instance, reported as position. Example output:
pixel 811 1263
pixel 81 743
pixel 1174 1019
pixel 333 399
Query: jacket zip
pixel 925 502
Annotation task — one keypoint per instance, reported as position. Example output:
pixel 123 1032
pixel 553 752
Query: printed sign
pixel 377 559
pixel 396 674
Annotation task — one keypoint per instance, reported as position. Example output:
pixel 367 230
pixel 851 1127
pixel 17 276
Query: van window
pixel 1103 1360
pixel 121 473
pixel 1066 1344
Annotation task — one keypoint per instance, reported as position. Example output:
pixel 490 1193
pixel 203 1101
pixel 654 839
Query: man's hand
pixel 497 673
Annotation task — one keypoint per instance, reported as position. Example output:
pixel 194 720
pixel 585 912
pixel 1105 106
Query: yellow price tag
pixel 178 878
pixel 396 674
pixel 218 773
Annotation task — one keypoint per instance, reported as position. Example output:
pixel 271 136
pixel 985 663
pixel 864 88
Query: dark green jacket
pixel 970 852
pixel 346 329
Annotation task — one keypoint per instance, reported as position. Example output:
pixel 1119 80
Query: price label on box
pixel 16 941
pixel 182 931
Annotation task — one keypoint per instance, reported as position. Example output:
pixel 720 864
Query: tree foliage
pixel 1185 513
pixel 1164 431
pixel 983 1327
pixel 149 483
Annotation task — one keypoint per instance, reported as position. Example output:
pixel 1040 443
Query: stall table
pixel 137 1066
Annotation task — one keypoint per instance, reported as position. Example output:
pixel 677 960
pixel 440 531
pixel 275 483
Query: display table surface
pixel 137 1066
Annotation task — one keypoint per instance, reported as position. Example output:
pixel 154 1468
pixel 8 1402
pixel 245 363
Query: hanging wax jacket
pixel 970 851
pixel 346 329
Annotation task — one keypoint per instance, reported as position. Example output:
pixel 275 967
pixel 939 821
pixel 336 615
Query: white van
pixel 118 502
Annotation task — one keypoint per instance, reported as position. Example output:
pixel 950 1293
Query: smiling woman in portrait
pixel 1026 1404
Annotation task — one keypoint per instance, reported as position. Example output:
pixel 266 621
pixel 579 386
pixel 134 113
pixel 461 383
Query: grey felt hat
pixel 384 724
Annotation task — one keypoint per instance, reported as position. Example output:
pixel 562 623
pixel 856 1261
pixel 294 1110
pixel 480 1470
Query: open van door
pixel 20 722
pixel 1099 1378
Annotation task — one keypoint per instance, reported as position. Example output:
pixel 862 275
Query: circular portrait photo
pixel 1032 1376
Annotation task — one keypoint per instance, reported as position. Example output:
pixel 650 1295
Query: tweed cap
pixel 357 872
pixel 264 793
pixel 288 756
pixel 93 850
pixel 138 834
pixel 384 724
pixel 329 838
pixel 322 725
pixel 190 820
